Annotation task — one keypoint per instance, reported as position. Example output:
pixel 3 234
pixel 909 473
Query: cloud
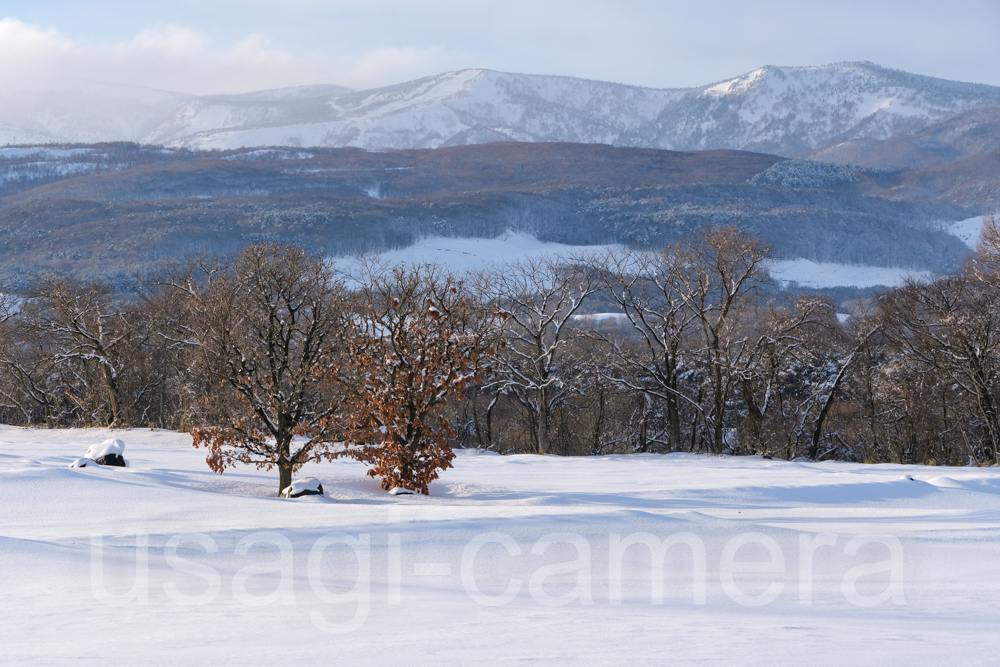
pixel 229 46
pixel 183 59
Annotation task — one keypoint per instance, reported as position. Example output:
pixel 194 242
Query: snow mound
pixel 83 463
pixel 945 483
pixel 400 491
pixel 111 446
pixel 307 486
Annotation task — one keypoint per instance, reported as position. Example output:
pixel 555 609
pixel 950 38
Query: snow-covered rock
pixel 110 446
pixel 108 453
pixel 400 491
pixel 83 463
pixel 307 486
pixel 116 460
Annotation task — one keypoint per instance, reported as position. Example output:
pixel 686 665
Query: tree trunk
pixel 673 410
pixel 543 422
pixel 284 474
pixel 489 421
pixel 754 427
pixel 112 386
pixel 818 431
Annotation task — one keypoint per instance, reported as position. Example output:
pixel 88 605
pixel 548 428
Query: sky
pixel 232 46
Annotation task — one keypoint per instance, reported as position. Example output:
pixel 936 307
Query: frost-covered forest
pixel 273 356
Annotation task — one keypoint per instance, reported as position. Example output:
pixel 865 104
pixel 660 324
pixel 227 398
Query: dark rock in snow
pixel 111 460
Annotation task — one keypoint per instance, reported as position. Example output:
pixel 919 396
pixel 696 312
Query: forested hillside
pixel 115 211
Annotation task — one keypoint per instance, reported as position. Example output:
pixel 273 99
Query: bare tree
pixel 987 264
pixel 9 306
pixel 719 287
pixel 94 338
pixel 30 378
pixel 690 301
pixel 266 332
pixel 540 297
pixel 950 329
pixel 649 288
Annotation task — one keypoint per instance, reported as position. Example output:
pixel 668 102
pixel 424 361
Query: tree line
pixel 275 358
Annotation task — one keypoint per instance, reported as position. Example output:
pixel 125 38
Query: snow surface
pixel 599 317
pixel 471 254
pixel 829 274
pixel 509 561
pixel 968 230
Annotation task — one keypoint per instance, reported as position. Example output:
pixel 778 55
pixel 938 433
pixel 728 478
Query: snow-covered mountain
pixel 782 110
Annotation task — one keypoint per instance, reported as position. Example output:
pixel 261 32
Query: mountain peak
pixel 774 109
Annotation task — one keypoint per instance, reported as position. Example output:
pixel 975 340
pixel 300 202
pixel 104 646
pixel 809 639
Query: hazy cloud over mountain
pixel 179 58
pixel 226 46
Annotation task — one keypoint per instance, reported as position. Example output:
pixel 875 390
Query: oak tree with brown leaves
pixel 422 343
pixel 267 332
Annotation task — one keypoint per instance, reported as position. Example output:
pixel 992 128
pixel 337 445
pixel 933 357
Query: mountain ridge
pixel 788 111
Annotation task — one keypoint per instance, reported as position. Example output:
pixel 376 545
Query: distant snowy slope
pixel 968 230
pixel 466 107
pixel 470 254
pixel 788 109
pixel 781 110
pixel 820 275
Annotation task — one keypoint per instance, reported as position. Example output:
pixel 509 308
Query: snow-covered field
pixel 468 254
pixel 474 254
pixel 511 560
pixel 830 274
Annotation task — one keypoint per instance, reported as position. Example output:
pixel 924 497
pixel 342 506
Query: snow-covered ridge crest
pixel 782 110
